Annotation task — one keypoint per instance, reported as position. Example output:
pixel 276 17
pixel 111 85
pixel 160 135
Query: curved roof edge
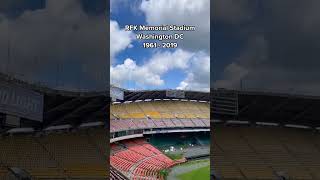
pixel 250 107
pixel 266 92
pixel 41 88
pixel 133 95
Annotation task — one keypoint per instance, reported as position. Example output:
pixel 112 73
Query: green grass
pixel 195 162
pixel 201 173
pixel 174 156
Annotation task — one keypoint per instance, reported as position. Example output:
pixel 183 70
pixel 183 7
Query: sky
pixel 266 45
pixel 61 44
pixel 186 67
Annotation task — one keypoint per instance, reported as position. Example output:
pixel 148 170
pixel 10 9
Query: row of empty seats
pixel 130 124
pixel 160 109
pixel 79 154
pixel 137 159
pixel 265 153
pixel 4 173
pixel 116 175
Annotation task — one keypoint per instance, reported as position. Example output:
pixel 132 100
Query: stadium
pixel 263 135
pixel 51 134
pixel 159 134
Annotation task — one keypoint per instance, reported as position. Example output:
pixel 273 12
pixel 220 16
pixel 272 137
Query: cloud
pixel 119 39
pixel 130 71
pixel 54 42
pixel 254 53
pixel 233 11
pixel 191 58
pixel 186 12
pixel 182 12
pixel 281 52
pixel 151 72
pixel 118 5
pixel 198 74
pixel 13 9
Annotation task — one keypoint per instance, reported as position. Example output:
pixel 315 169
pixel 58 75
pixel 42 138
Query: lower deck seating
pixel 265 153
pixel 139 160
pixel 3 172
pixel 116 175
pixel 61 155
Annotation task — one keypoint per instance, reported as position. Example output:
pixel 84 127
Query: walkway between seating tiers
pixel 131 170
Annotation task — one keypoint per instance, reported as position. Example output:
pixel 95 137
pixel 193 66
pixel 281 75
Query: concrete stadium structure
pixel 141 113
pixel 66 139
pixel 262 135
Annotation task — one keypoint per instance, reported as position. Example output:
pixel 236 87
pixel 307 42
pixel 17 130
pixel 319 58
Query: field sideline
pixel 199 169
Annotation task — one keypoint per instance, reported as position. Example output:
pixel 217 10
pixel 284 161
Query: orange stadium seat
pixel 77 154
pixel 161 109
pixel 255 153
pixel 139 160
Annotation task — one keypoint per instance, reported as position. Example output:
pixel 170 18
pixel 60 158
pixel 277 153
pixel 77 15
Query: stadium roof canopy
pixel 163 94
pixel 74 110
pixel 63 107
pixel 273 108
